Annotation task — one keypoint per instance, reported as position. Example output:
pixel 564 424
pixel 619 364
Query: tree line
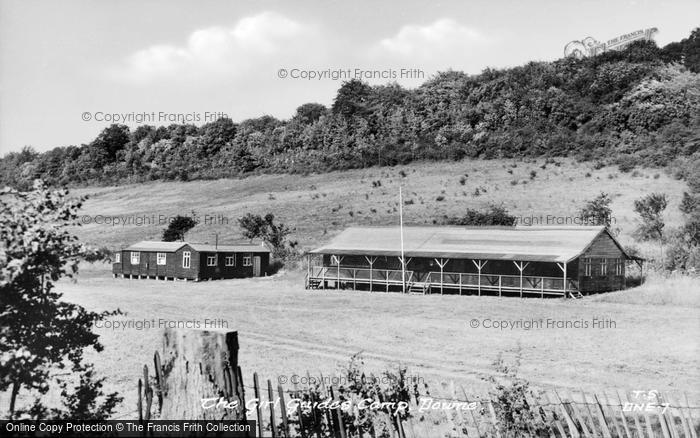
pixel 639 106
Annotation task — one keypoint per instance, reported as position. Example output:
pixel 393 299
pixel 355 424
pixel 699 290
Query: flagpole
pixel 403 257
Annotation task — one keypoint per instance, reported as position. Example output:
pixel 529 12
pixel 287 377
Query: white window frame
pixel 587 267
pixel 213 260
pixel 619 263
pixel 603 267
pixel 161 259
pixel 230 260
pixel 186 259
pixel 248 260
pixel 135 257
pixel 118 257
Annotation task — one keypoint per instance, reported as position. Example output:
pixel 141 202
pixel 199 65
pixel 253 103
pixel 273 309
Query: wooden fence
pixel 461 413
pixel 414 411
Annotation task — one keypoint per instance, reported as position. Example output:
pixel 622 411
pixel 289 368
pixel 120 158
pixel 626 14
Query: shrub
pixel 495 215
pixel 514 415
pixel 626 164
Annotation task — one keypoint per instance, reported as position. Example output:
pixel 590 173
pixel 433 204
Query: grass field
pixel 285 329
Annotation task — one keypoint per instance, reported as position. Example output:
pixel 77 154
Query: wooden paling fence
pixel 412 411
pixel 560 412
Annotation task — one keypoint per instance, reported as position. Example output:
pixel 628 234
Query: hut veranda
pixel 524 261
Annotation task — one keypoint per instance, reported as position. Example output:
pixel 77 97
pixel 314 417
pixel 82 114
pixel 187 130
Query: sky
pixel 68 69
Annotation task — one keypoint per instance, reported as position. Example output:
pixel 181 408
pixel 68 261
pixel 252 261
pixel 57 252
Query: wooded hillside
pixel 640 106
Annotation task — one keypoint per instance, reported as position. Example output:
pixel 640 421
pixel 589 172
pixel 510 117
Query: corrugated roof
pixel 546 244
pixel 149 245
pixel 201 247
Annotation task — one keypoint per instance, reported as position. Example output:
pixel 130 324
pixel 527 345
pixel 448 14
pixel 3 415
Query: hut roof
pixel 149 245
pixel 525 243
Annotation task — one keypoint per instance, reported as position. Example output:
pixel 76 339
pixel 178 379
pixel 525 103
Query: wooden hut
pixel 541 261
pixel 191 261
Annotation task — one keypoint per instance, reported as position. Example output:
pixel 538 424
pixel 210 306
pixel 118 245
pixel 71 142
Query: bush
pixel 515 417
pixel 495 215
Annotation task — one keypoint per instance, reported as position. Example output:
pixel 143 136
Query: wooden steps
pixel 575 294
pixel 314 283
pixel 421 289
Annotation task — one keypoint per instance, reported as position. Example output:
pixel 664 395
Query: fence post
pixel 159 379
pixel 139 403
pixel 256 394
pixel 690 415
pixel 618 431
pixel 196 360
pixel 270 397
pixel 148 392
pixel 283 410
pixel 573 430
pixel 601 418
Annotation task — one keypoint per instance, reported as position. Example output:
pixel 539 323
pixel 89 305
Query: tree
pixel 684 244
pixel 39 333
pixel 686 52
pixel 352 98
pixel 597 211
pixel 108 143
pixel 650 208
pixel 177 228
pixel 310 112
pixel 255 226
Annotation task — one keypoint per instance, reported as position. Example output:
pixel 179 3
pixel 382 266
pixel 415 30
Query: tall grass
pixel 658 289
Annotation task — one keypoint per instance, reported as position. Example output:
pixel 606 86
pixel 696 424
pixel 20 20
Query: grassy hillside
pixel 318 206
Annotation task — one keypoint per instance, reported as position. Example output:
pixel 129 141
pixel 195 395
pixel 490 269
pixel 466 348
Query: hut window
pixel 135 257
pixel 619 263
pixel 230 261
pixel 603 266
pixel 186 259
pixel 211 260
pixel 247 261
pixel 587 267
pixel 160 259
pixel 118 257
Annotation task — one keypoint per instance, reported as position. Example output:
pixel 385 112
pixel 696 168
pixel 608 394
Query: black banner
pixel 129 428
